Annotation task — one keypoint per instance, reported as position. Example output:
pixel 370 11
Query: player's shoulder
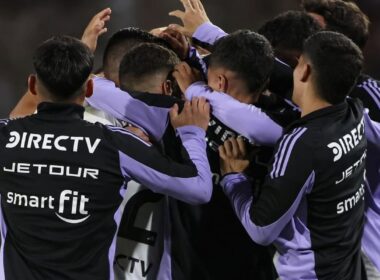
pixel 4 122
pixel 368 85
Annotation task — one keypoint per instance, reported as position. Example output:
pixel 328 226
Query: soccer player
pixel 62 179
pixel 312 204
pixel 347 18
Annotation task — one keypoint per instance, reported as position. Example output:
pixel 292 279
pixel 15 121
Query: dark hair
pixel 143 61
pixel 336 64
pixel 341 16
pixel 120 43
pixel 288 31
pixel 63 64
pixel 248 54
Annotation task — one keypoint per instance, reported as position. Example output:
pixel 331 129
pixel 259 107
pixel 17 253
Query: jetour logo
pixel 71 203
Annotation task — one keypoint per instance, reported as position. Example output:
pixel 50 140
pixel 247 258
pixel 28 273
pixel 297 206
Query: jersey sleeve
pixel 248 120
pixel 209 33
pixel 121 105
pixel 291 177
pixel 369 93
pixel 195 60
pixel 189 181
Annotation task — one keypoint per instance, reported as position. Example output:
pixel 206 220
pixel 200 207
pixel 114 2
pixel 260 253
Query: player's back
pixel 61 188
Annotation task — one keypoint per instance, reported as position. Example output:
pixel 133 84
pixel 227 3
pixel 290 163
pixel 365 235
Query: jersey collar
pixel 333 110
pixel 60 110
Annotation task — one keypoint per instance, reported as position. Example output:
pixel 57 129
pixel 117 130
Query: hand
pixel 157 31
pixel 193 16
pixel 196 112
pixel 95 28
pixel 233 156
pixel 185 76
pixel 137 131
pixel 177 41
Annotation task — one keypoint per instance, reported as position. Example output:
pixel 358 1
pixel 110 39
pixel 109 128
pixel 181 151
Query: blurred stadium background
pixel 26 23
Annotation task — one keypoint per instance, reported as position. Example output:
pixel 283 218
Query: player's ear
pixel 167 87
pixel 32 84
pixel 222 83
pixel 89 88
pixel 305 72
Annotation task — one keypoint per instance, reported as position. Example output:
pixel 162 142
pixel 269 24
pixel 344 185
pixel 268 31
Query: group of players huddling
pixel 260 150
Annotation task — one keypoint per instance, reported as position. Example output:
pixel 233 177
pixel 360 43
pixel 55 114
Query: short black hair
pixel 289 30
pixel 336 62
pixel 341 16
pixel 120 43
pixel 63 64
pixel 248 54
pixel 144 60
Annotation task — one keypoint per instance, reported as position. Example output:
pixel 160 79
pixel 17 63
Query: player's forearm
pixel 107 97
pixel 193 140
pixel 238 189
pixel 248 120
pixel 209 33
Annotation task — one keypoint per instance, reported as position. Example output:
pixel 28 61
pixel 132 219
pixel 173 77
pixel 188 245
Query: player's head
pixel 340 16
pixel 240 65
pixel 330 65
pixel 287 32
pixel 62 65
pixel 119 44
pixel 148 68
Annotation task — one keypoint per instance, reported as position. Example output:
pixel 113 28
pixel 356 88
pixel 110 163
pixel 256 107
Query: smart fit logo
pixel 70 205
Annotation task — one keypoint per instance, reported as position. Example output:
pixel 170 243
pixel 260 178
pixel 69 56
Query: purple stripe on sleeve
pixel 209 33
pixel 237 188
pixel 282 152
pixel 285 162
pixel 277 156
pixel 372 93
pixel 3 239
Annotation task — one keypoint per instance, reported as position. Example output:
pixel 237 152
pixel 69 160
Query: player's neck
pixel 311 103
